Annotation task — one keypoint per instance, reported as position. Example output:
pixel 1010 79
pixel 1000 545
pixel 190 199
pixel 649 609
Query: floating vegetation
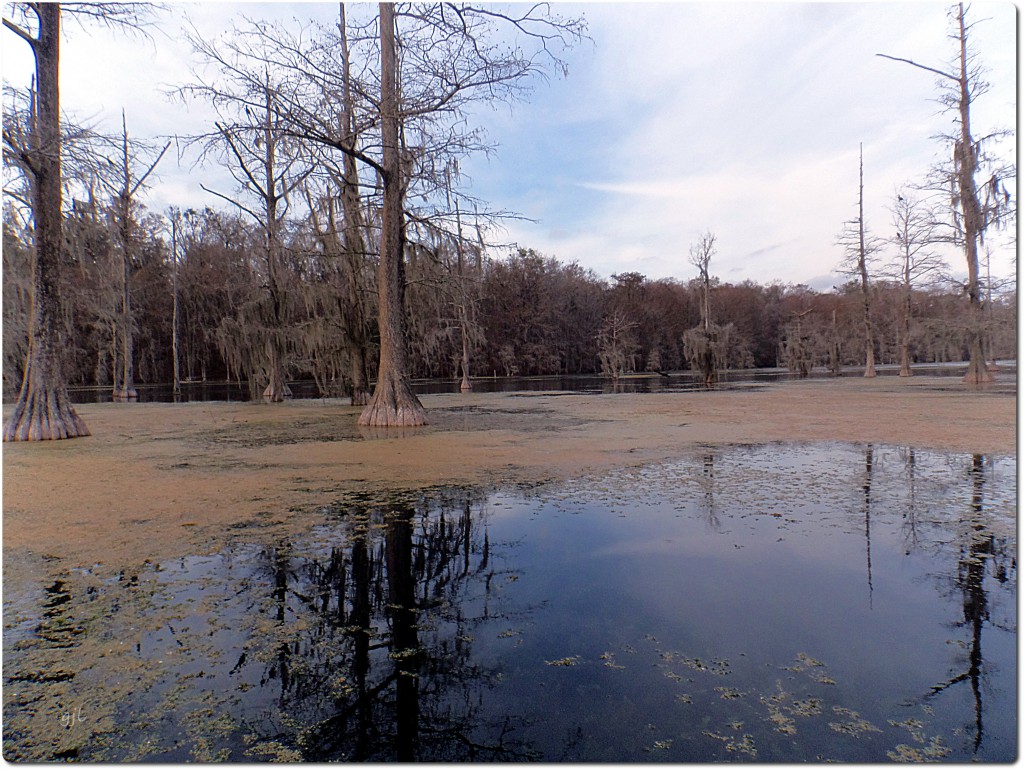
pixel 933 752
pixel 660 746
pixel 740 744
pixel 854 725
pixel 609 660
pixel 729 693
pixel 913 726
pixel 570 661
pixel 807 708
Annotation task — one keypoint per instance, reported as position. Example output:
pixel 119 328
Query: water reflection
pixel 869 464
pixel 981 554
pixel 704 610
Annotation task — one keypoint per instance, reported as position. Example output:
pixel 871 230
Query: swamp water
pixel 779 602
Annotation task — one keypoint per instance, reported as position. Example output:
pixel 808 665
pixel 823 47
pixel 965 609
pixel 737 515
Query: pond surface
pixel 590 384
pixel 781 602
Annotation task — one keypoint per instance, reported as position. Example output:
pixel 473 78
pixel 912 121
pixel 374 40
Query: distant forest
pixel 527 314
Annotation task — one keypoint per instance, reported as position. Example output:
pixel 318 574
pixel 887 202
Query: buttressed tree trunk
pixel 43 410
pixel 393 403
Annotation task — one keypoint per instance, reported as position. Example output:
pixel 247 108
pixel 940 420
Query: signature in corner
pixel 71 718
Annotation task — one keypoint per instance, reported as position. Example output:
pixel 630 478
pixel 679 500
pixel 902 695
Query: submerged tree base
pixel 274 395
pixel 44 415
pixel 393 405
pixel 978 375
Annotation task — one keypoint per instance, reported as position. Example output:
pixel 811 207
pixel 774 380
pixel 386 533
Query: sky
pixel 675 119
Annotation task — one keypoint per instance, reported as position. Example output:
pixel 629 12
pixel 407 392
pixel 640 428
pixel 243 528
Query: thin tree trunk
pixel 276 390
pixel 126 391
pixel 355 246
pixel 465 386
pixel 905 370
pixel 869 341
pixel 174 307
pixel 43 410
pixel 393 402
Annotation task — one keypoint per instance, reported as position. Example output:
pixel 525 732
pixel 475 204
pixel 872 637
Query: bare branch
pixel 152 166
pixel 233 202
pixel 21 33
pixel 947 75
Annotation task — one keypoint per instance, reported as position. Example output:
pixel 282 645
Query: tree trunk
pixel 43 410
pixel 393 403
pixel 905 370
pixel 276 390
pixel 977 372
pixel 126 391
pixel 174 307
pixel 862 263
pixel 355 246
pixel 465 386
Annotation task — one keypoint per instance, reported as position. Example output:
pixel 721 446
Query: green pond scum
pixel 769 603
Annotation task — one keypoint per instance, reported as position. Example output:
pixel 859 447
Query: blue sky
pixel 741 118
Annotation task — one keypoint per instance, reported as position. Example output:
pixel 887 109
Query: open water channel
pixel 780 602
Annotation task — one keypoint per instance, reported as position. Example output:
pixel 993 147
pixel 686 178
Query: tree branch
pixel 233 202
pixel 21 33
pixel 920 66
pixel 143 178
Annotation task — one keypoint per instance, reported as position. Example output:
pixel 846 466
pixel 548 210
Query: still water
pixel 782 602
pixel 590 384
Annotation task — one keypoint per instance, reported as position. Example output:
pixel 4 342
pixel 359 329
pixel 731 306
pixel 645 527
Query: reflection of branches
pixel 372 641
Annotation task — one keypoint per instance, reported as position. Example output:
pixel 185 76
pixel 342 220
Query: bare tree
pixel 973 207
pixel 860 248
pixel 393 402
pixel 43 409
pixel 253 144
pixel 127 179
pixel 914 261
pixel 706 346
pixel 411 120
pixel 616 345
pixel 700 257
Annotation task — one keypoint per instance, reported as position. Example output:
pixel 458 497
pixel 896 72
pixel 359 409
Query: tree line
pixel 525 314
pixel 349 251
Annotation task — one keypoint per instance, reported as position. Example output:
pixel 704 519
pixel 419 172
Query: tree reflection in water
pixel 980 553
pixel 373 642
